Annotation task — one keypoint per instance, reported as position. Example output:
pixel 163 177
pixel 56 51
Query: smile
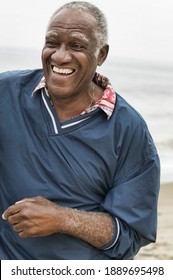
pixel 62 71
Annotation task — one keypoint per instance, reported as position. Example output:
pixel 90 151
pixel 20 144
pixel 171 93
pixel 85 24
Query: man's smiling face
pixel 70 55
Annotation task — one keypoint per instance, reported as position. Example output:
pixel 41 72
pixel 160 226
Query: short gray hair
pixel 101 32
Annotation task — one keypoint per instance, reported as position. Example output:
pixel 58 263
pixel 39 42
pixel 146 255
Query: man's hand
pixel 37 216
pixel 33 217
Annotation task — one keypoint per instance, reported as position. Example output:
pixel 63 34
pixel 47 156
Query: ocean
pixel 146 85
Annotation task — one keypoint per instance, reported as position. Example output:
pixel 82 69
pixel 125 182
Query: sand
pixel 163 248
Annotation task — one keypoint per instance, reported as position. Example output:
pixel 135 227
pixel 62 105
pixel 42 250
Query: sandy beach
pixel 163 248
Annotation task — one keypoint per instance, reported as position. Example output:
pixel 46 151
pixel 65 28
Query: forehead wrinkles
pixel 80 26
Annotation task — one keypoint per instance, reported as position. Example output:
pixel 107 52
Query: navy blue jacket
pixel 92 163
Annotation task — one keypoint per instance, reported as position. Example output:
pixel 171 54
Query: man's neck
pixel 67 108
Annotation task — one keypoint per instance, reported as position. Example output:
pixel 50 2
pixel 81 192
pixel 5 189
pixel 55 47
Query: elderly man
pixel 79 169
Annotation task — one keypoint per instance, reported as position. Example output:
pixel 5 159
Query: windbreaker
pixel 88 163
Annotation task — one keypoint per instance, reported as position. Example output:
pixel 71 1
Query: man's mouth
pixel 62 71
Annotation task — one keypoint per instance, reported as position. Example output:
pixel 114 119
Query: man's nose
pixel 61 55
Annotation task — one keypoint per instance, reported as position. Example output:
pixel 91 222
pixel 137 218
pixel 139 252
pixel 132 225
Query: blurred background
pixel 139 65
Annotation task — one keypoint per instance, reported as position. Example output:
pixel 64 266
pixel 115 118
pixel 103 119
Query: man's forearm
pixel 94 228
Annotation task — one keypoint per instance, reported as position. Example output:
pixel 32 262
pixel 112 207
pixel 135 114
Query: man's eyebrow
pixel 51 34
pixel 78 36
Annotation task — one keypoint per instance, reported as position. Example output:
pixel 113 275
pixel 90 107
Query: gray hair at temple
pixel 101 32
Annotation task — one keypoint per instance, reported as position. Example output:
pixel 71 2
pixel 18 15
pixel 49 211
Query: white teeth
pixel 62 71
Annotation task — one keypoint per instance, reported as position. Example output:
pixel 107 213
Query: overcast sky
pixel 137 28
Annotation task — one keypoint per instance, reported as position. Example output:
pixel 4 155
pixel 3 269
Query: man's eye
pixel 52 44
pixel 77 47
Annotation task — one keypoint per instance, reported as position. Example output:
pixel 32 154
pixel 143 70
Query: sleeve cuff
pixel 115 236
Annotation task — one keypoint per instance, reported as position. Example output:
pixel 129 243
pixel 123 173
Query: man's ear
pixel 102 54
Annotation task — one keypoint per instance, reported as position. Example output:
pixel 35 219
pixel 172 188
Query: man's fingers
pixel 15 208
pixel 14 219
pixel 10 211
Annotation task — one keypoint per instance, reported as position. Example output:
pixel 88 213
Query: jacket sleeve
pixel 132 201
